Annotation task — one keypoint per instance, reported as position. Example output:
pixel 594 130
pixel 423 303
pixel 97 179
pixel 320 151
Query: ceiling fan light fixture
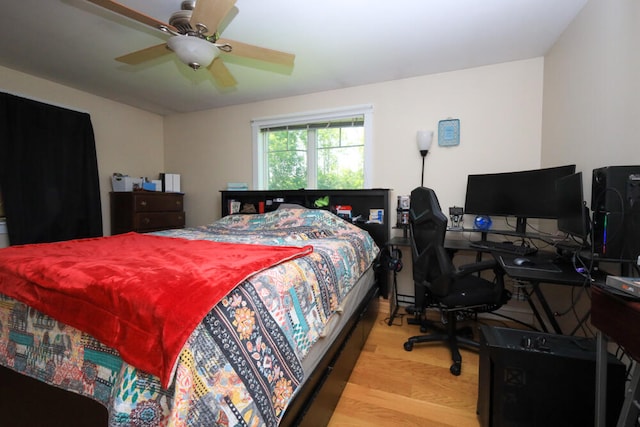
pixel 193 51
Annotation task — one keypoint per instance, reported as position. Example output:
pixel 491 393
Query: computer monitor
pixel 520 194
pixel 572 211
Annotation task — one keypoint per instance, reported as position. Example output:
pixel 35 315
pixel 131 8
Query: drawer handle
pixel 146 220
pixel 178 203
pixel 143 203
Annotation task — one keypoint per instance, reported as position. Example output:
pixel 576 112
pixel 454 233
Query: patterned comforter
pixel 242 364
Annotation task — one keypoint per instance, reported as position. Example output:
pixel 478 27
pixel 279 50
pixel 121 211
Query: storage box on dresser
pixel 145 211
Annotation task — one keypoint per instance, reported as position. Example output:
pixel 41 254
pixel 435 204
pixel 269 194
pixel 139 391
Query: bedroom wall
pixel 499 107
pixel 592 89
pixel 128 140
pixel 591 105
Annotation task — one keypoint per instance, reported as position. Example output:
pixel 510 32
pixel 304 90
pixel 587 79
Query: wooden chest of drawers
pixel 145 211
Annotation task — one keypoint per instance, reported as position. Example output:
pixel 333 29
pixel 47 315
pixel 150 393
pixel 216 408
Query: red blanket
pixel 140 294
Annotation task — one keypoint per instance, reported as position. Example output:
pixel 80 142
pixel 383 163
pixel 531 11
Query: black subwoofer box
pixel 615 202
pixel 536 379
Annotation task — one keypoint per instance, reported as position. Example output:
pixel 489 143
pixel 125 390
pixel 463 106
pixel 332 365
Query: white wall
pixel 499 107
pixel 592 106
pixel 128 140
pixel 592 90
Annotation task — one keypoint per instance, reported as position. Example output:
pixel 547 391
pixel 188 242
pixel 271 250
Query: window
pixel 317 150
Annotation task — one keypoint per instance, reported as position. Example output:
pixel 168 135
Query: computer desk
pixel 548 268
pixel 614 316
pixel 564 274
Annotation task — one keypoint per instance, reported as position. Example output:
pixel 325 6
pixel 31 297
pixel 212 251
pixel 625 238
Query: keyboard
pixel 505 247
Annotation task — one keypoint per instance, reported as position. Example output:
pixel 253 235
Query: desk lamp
pixel 424 139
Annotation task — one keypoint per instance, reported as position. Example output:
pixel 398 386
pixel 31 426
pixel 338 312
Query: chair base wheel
pixel 456 368
pixel 408 346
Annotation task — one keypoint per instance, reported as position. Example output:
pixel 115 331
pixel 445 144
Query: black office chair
pixel 455 291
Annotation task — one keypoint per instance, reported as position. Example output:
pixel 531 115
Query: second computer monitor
pixel 573 217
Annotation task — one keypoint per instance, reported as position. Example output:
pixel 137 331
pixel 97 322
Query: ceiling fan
pixel 195 38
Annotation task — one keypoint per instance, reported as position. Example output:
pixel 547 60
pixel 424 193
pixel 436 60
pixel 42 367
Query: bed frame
pixel 25 401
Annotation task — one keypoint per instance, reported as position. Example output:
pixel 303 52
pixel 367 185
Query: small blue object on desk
pixel 482 222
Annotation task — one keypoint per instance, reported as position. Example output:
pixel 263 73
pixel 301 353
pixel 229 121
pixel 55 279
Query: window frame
pixel 366 111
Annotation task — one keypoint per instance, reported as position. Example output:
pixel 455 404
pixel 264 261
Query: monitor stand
pixel 521 225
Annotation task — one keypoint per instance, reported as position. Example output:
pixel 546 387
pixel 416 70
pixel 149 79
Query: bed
pixel 274 349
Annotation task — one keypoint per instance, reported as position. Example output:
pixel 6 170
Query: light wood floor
pixel 391 386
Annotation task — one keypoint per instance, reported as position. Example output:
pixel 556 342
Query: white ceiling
pixel 337 43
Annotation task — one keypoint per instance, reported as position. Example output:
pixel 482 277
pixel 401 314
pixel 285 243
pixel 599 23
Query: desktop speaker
pixel 615 201
pixel 529 379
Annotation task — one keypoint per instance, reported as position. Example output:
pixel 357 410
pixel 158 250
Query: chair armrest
pixel 465 270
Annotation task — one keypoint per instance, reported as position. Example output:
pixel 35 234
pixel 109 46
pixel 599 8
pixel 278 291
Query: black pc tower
pixel 615 202
pixel 533 379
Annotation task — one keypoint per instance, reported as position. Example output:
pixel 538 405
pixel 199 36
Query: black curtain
pixel 48 172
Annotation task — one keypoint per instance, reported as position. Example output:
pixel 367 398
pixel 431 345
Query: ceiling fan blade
pixel 147 54
pixel 211 13
pixel 123 10
pixel 260 53
pixel 221 73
